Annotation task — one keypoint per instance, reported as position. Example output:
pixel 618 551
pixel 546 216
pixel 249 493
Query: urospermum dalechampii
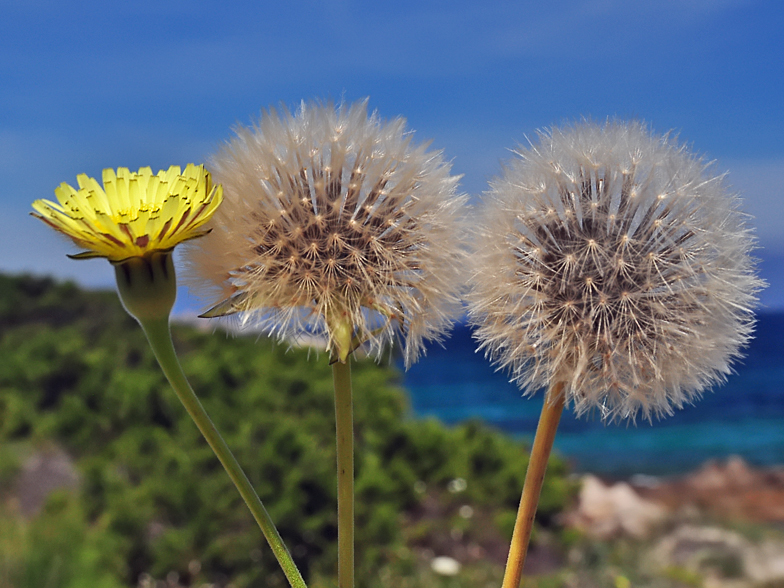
pixel 335 224
pixel 135 220
pixel 613 269
pixel 612 261
pixel 134 213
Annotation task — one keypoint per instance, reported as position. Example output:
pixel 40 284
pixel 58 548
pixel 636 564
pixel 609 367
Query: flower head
pixel 334 224
pixel 135 213
pixel 611 261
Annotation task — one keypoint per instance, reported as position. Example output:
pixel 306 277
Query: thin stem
pixel 159 336
pixel 344 419
pixel 534 477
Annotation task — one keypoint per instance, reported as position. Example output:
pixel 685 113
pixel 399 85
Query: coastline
pixel 742 417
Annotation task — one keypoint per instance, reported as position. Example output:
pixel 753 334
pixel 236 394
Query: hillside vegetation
pixel 153 503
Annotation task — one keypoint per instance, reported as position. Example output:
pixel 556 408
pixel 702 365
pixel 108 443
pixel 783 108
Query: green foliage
pixel 154 500
pixel 58 549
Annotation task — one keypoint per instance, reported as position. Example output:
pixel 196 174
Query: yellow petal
pixel 134 213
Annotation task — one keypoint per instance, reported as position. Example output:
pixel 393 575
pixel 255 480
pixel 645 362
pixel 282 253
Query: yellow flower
pixel 135 213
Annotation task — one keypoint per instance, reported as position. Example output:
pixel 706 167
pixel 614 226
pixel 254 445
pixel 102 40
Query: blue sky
pixel 90 85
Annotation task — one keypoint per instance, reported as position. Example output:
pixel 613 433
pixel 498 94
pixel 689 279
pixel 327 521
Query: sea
pixel 742 417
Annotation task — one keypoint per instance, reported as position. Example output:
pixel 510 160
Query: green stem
pixel 159 336
pixel 344 419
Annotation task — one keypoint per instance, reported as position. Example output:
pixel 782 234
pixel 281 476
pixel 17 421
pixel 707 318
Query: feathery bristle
pixel 613 261
pixel 331 213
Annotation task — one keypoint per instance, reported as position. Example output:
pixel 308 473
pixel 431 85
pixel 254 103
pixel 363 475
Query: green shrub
pixel 81 375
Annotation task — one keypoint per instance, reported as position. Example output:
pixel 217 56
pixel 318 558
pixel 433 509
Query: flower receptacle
pixel 147 285
pixel 341 333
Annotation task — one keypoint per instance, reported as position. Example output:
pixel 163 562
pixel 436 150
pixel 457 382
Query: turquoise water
pixel 743 417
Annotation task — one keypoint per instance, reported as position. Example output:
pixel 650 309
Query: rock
pixel 708 478
pixel 735 474
pixel 765 562
pixel 42 473
pixel 445 566
pixel 604 512
pixel 731 490
pixel 725 557
pixel 689 545
pixel 739 473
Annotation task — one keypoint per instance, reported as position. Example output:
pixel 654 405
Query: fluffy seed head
pixel 333 218
pixel 612 261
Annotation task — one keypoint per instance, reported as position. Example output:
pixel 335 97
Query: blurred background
pixel 90 85
pixel 86 85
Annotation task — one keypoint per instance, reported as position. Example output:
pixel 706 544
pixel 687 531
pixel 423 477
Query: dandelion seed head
pixel 615 262
pixel 330 216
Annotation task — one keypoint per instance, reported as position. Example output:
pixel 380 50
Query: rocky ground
pixel 720 526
